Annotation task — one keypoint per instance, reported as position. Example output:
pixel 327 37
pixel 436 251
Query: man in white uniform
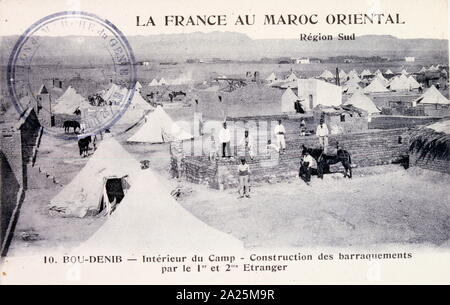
pixel 224 139
pixel 279 134
pixel 322 132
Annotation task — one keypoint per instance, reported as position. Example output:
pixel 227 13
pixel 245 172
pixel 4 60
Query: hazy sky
pixel 423 18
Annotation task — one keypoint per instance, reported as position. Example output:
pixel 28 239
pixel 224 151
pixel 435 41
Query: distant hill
pixel 230 45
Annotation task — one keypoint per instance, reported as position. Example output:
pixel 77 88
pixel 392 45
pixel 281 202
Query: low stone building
pixel 19 140
pixel 343 119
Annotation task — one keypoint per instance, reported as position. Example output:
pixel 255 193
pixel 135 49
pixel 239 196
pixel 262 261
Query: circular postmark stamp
pixel 76 70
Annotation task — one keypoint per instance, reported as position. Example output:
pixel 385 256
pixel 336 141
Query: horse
pixel 324 161
pixel 73 124
pixel 83 146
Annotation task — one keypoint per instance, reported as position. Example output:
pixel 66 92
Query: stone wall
pixel 12 176
pixel 392 121
pixel 436 164
pixel 367 149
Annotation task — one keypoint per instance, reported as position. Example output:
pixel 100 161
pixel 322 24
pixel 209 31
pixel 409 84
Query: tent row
pixel 181 80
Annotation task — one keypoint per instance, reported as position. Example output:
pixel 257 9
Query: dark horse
pixel 174 94
pixel 83 145
pixel 68 124
pixel 324 160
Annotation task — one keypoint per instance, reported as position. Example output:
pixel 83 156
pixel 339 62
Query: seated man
pixel 308 166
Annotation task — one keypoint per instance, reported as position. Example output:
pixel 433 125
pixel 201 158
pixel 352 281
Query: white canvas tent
pixel 431 96
pixel 153 83
pixel 433 68
pixel 292 77
pixel 400 83
pixel 388 72
pixel 423 70
pixel 69 102
pixel 162 82
pixel 135 112
pixel 381 78
pixel 375 87
pixel 360 100
pixel 366 73
pixel 326 75
pixel 138 86
pixel 287 101
pixel 353 74
pixel 271 78
pixel 351 86
pixel 159 128
pixel 149 219
pixel 413 84
pixel 404 72
pixel 115 94
pixel 342 74
pixel 87 193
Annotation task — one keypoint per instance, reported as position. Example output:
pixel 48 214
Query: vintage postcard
pixel 224 142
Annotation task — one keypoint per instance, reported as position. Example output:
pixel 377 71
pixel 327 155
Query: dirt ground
pixel 380 205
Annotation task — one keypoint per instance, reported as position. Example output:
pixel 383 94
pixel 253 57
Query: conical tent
pixel 381 78
pixel 366 73
pixel 85 194
pixel 423 70
pixel 272 77
pixel 138 85
pixel 69 102
pixel 162 82
pixel 431 96
pixel 137 109
pixel 159 128
pixel 342 74
pixel 360 100
pixel 326 75
pixel 412 83
pixel 399 83
pixel 115 94
pixel 287 100
pixel 433 68
pixel 292 77
pixel 153 83
pixel 150 219
pixel 353 74
pixel 388 72
pixel 377 72
pixel 375 86
pixel 404 72
pixel 351 86
pixel 354 77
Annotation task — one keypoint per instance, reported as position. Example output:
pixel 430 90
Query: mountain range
pixel 236 46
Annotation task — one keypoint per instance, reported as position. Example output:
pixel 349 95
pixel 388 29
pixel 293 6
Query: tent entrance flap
pixel 113 192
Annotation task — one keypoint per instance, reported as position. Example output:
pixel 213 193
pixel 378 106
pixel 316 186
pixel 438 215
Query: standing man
pixel 303 128
pixel 322 132
pixel 225 138
pixel 247 142
pixel 279 133
pixel 244 179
